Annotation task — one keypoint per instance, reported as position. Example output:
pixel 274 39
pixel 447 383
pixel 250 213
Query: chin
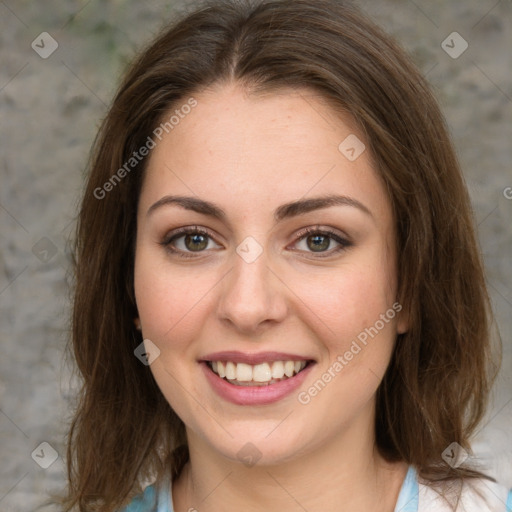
pixel 259 446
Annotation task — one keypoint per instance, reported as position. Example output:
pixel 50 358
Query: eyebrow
pixel 284 211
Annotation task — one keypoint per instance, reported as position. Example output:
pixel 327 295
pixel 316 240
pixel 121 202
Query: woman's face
pixel 253 290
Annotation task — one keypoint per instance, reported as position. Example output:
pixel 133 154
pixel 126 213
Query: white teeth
pixel 278 370
pixel 262 373
pixel 243 372
pixel 289 368
pixel 231 370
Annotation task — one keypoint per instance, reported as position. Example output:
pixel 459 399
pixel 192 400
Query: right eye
pixel 185 241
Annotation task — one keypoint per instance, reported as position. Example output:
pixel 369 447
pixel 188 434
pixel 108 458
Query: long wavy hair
pixel 123 432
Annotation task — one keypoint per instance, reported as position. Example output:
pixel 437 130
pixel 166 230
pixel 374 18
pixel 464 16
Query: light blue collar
pixel 408 497
pixel 165 496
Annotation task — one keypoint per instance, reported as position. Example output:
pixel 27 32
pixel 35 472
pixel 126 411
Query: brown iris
pixel 196 241
pixel 319 242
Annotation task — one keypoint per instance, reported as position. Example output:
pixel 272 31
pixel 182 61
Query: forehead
pixel 259 151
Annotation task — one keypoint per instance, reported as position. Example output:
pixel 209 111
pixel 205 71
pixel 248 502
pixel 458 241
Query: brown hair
pixel 436 387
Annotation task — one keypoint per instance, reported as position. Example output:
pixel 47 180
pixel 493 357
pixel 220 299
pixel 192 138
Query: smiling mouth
pixel 264 374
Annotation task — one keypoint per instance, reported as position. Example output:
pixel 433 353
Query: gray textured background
pixel 50 109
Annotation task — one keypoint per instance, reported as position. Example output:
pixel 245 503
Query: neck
pixel 346 470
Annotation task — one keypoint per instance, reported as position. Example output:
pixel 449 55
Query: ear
pixel 136 321
pixel 403 320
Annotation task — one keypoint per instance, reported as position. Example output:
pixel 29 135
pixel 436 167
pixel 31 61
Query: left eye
pixel 318 241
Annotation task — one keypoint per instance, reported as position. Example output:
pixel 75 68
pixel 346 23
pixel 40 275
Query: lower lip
pixel 254 395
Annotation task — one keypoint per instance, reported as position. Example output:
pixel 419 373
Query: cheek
pixel 349 300
pixel 358 325
pixel 358 332
pixel 170 306
pixel 169 300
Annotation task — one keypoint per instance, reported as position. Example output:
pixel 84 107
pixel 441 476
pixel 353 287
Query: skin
pixel 250 154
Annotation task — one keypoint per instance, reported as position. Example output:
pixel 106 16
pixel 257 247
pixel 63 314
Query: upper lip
pixel 236 356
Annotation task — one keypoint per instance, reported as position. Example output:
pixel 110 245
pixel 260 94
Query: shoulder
pixel 476 495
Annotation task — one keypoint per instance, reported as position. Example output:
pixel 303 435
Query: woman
pixel 280 302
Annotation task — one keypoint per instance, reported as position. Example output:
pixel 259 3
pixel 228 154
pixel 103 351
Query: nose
pixel 252 296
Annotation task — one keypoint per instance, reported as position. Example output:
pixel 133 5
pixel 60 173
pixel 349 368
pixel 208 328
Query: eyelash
pixel 314 230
